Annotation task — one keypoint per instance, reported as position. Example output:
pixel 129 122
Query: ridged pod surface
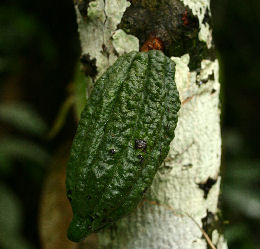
pixel 122 138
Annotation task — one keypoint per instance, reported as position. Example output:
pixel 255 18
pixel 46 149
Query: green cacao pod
pixel 122 138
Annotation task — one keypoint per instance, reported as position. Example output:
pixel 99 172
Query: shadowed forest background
pixel 41 89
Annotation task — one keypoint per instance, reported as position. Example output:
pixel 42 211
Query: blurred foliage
pixel 61 117
pixel 23 117
pixel 81 87
pixel 240 194
pixel 31 156
pixel 40 82
pixel 77 92
pixel 237 41
pixel 10 221
pixel 15 148
pixel 38 51
pixel 20 29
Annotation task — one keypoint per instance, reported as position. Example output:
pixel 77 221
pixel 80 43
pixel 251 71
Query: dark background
pixel 39 52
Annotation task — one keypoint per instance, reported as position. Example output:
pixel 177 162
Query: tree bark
pixel 183 198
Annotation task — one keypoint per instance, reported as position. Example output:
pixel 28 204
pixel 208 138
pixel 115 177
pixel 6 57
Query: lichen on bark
pixel 97 24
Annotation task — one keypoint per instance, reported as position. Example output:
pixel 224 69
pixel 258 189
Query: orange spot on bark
pixel 153 43
pixel 185 18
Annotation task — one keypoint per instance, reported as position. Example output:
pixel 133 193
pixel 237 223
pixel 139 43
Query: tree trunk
pixel 182 201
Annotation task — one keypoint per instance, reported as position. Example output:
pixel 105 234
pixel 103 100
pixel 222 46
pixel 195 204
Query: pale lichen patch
pixel 96 10
pixel 199 8
pixel 183 77
pixel 207 68
pixel 124 43
pixel 218 240
pixel 205 34
pixel 98 27
pixel 186 80
pixel 212 200
pixel 114 10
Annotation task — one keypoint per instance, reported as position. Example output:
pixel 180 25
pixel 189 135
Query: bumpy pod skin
pixel 123 137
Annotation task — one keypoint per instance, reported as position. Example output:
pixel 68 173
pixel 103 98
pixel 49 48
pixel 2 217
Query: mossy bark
pixel 185 189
